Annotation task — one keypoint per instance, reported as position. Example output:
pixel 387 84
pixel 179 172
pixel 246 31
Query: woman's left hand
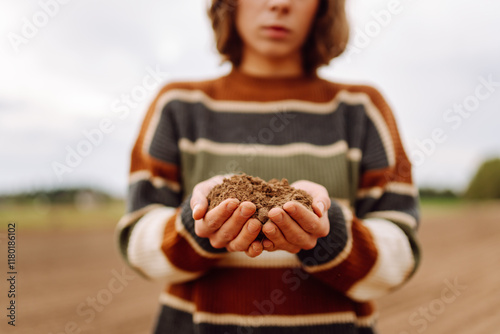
pixel 294 227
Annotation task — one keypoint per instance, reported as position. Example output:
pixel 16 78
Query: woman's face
pixel 274 28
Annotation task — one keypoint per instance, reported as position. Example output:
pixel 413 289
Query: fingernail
pixel 277 217
pixel 321 207
pixel 196 207
pixel 256 248
pixel 270 231
pixel 231 206
pixel 246 211
pixel 253 227
pixel 291 209
pixel 267 244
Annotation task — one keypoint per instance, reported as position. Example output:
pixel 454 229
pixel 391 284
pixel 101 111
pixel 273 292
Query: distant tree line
pixel 54 196
pixel 486 183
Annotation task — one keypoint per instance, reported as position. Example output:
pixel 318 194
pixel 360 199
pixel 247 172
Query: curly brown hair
pixel 327 39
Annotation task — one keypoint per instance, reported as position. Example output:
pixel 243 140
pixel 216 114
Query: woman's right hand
pixel 228 224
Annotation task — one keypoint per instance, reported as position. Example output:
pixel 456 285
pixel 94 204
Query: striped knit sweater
pixel 341 136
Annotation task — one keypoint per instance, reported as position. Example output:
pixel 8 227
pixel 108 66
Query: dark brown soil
pixel 265 195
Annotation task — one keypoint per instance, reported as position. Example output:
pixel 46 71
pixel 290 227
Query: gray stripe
pixel 144 193
pixel 164 142
pixel 389 202
pixel 374 155
pixel 195 120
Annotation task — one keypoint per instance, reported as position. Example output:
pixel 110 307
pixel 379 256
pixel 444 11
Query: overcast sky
pixel 66 69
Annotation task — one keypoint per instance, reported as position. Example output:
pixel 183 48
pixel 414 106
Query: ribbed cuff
pixel 330 247
pixel 188 223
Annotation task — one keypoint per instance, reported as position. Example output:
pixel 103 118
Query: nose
pixel 280 6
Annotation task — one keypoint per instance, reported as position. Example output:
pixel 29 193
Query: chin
pixel 277 51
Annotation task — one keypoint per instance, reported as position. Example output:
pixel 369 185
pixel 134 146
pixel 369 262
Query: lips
pixel 276 31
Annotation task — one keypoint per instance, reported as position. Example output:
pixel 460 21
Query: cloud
pixel 64 80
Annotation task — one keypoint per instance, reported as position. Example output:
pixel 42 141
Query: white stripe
pixel 393 265
pixel 392 187
pixel 179 227
pixel 272 107
pixel 396 216
pixel 274 320
pixel 156 181
pixel 130 218
pixel 205 145
pixel 193 96
pixel 354 154
pixel 144 248
pixel 342 255
pixel 276 259
pixel 368 321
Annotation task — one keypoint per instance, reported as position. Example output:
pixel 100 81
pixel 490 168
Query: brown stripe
pixel 180 253
pixel 357 265
pixel 247 291
pixel 165 170
pixel 380 177
pixel 365 309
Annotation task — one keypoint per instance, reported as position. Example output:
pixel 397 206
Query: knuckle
pixel 216 243
pixel 238 247
pixel 297 239
pixel 323 233
pixel 311 228
pixel 199 231
pixel 227 236
pixel 310 244
pixel 251 254
pixel 211 223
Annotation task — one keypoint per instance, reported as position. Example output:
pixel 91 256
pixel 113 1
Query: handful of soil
pixel 265 195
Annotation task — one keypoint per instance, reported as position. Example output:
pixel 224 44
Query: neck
pixel 253 64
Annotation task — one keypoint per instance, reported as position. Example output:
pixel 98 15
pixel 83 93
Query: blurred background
pixel 76 78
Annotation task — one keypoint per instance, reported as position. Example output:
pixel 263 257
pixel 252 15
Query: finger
pixel 215 218
pixel 247 235
pixel 199 202
pixel 276 240
pixel 233 226
pixel 321 199
pixel 291 230
pixel 302 216
pixel 255 249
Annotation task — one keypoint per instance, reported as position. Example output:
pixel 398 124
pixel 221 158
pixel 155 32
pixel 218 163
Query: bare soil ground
pixel 62 273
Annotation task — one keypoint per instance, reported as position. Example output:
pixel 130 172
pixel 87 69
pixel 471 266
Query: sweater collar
pixel 261 81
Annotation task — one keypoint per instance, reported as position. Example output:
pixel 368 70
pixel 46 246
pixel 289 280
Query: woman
pixel 272 117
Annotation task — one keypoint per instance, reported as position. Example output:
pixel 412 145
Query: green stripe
pixel 334 173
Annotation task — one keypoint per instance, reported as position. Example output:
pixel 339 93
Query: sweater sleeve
pixel 156 235
pixel 372 248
